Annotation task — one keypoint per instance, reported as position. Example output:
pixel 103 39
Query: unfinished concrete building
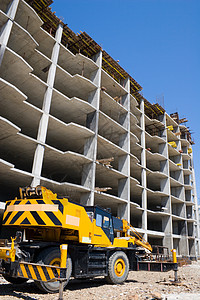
pixel 74 121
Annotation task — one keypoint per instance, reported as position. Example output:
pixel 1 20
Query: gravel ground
pixel 139 285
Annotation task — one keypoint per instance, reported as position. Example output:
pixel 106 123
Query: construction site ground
pixel 139 285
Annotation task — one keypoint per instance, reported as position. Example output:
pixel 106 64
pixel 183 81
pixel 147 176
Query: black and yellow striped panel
pixel 34 212
pixel 40 272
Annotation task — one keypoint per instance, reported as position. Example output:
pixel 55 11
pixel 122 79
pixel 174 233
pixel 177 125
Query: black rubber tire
pixel 46 257
pixel 121 259
pixel 14 280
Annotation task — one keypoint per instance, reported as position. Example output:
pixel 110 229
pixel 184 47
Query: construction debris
pixel 104 189
pixel 106 161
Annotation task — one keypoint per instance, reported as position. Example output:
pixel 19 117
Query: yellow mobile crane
pixel 97 243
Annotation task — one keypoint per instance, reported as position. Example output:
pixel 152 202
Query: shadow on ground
pixel 20 290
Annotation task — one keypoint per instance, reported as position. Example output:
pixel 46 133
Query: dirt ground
pixel 139 285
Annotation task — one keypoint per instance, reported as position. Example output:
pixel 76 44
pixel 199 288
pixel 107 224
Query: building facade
pixel 72 120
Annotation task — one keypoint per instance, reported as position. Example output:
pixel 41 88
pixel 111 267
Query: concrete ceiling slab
pixel 111 107
pixel 41 64
pixel 136 191
pixel 155 193
pixel 133 138
pixel 14 107
pixel 28 18
pixel 21 41
pixel 15 147
pixel 67 137
pixel 107 177
pixel 133 120
pixel 76 64
pixel 187 172
pixel 34 88
pixel 11 177
pixel 3 18
pixel 114 89
pixel 133 101
pixel 176 200
pixel 135 110
pixel 45 41
pixel 106 149
pixel 70 191
pixel 109 201
pixel 110 125
pixel 171 136
pixel 14 68
pixel 70 109
pixel 173 166
pixel 64 165
pixel 186 156
pixel 67 84
pixel 4 5
pixel 173 151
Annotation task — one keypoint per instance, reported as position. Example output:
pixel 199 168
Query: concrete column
pixel 143 175
pixel 43 126
pixel 196 212
pixel 165 187
pixel 90 148
pixel 184 242
pixel 124 161
pixel 6 29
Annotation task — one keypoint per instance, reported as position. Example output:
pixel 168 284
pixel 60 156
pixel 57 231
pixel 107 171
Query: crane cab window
pixel 98 220
pixel 106 222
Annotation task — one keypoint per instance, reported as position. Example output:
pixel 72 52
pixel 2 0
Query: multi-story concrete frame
pixel 61 113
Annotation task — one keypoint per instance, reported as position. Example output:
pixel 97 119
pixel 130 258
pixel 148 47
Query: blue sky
pixel 156 41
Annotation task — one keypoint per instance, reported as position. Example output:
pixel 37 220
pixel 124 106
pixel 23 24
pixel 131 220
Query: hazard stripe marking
pixel 37 273
pixel 6 218
pixel 37 218
pixel 14 219
pixel 40 272
pixel 60 205
pixel 53 218
pixel 46 274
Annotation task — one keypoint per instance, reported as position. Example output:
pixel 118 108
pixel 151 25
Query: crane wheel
pixel 118 268
pixel 51 256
